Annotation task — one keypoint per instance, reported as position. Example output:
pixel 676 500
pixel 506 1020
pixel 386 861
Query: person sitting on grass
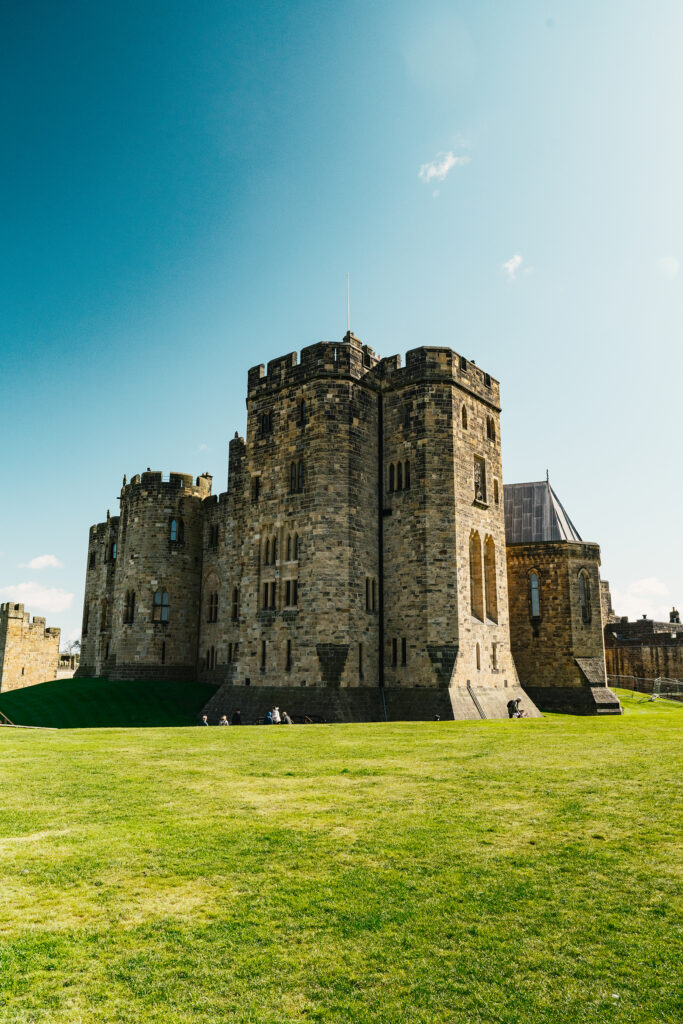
pixel 237 717
pixel 223 720
pixel 268 720
pixel 204 721
pixel 276 716
pixel 286 720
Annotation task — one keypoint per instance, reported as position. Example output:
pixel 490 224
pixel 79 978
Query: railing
pixel 659 687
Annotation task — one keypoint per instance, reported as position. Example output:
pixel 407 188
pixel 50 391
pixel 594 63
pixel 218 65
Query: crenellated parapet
pixel 352 360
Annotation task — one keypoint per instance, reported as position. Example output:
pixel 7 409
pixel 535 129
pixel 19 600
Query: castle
pixel 356 567
pixel 29 651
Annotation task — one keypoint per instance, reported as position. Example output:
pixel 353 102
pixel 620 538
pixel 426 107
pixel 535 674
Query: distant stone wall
pixel 644 649
pixel 29 652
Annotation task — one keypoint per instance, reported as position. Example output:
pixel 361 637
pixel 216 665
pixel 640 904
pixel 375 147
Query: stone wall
pixel 644 649
pixel 559 653
pixel 29 652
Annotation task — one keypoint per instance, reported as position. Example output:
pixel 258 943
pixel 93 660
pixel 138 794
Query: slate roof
pixel 534 513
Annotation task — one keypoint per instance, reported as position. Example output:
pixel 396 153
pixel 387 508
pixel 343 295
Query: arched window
pixel 112 553
pixel 464 418
pixel 235 604
pixel 478 652
pixel 399 477
pixel 406 475
pixel 534 594
pixel 391 477
pixel 129 606
pixel 476 577
pixel 490 577
pixel 177 533
pixel 585 596
pixel 292 477
pixel 160 607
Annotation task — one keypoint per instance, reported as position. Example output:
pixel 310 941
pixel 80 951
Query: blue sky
pixel 184 187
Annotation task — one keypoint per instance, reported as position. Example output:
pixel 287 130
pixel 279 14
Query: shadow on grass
pixel 99 703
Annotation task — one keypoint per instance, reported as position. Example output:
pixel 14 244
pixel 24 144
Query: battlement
pixel 350 358
pixel 153 481
pixel 347 358
pixel 429 363
pixel 10 610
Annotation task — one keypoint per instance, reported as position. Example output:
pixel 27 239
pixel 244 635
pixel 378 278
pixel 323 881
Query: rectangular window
pixel 263 654
pixel 479 479
pixel 288 663
pixel 360 661
pixel 494 656
pixel 288 592
pixel 394 652
pixel 272 596
pixel 255 487
pixel 487 380
pixel 265 595
pixel 295 592
pixel 404 651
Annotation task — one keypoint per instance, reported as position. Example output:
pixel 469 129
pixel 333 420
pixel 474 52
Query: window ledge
pixel 480 504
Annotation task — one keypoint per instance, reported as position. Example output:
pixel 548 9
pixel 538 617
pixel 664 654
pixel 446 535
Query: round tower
pixel 158 577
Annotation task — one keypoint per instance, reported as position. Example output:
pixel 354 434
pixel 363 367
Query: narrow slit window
pixel 404 651
pixel 535 595
pixel 360 661
pixel 263 654
pixel 394 652
pixel 288 663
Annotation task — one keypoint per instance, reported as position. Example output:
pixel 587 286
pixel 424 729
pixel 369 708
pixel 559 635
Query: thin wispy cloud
pixel 203 447
pixel 441 166
pixel 43 562
pixel 511 266
pixel 37 598
pixel 648 596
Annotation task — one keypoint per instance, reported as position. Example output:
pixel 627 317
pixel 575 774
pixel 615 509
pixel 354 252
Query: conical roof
pixel 534 514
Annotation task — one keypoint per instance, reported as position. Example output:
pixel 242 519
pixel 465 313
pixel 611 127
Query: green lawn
pixel 98 703
pixel 525 871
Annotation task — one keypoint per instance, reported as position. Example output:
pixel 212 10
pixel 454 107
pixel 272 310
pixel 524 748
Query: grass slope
pixel 431 873
pixel 98 703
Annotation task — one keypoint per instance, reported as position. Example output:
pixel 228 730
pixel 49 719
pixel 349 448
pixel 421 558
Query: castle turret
pixel 147 564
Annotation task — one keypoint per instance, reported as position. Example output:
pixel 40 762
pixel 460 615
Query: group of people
pixel 235 720
pixel 273 717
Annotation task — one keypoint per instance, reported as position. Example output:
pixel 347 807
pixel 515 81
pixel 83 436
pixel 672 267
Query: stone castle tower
pixel 354 568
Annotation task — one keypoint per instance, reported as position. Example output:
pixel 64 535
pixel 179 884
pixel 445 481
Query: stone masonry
pixel 29 652
pixel 355 565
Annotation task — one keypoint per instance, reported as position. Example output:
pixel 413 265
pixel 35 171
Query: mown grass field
pixel 523 871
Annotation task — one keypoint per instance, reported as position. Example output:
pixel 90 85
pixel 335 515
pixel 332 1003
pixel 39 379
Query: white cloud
pixel 648 596
pixel 203 448
pixel 668 267
pixel 43 562
pixel 38 598
pixel 440 166
pixel 511 266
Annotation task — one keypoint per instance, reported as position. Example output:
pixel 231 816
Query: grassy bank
pixel 99 703
pixel 523 871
